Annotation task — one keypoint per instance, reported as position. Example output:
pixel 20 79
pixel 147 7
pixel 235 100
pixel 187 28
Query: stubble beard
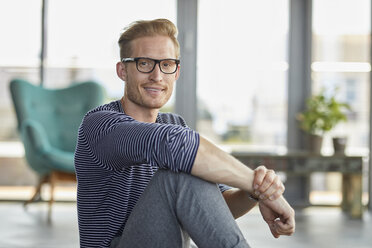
pixel 135 97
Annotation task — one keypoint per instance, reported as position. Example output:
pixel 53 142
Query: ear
pixel 121 71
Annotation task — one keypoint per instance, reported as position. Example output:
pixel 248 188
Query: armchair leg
pixel 52 180
pixel 37 194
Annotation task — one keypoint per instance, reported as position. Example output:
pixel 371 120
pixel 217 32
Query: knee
pixel 181 180
pixel 172 178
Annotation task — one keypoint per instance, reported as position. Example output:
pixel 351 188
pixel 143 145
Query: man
pixel 146 180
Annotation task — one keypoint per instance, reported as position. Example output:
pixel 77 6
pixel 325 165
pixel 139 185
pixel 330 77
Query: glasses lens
pixel 168 66
pixel 145 65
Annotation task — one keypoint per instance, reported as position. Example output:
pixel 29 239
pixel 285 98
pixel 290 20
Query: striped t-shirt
pixel 115 158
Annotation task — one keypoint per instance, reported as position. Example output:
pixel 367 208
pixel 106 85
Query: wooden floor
pixel 316 227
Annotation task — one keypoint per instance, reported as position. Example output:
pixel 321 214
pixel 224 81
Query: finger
pixel 274 233
pixel 286 232
pixel 275 190
pixel 276 195
pixel 259 175
pixel 289 225
pixel 273 230
pixel 267 181
pixel 287 228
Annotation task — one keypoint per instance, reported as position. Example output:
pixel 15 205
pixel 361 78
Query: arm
pixel 238 202
pixel 212 164
pixel 116 141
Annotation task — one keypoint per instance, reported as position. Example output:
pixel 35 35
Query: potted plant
pixel 321 115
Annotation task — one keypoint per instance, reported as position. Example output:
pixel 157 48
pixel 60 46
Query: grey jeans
pixel 175 207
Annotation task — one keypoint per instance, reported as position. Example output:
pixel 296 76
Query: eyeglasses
pixel 147 65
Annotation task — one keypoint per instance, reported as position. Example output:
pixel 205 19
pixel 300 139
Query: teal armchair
pixel 48 122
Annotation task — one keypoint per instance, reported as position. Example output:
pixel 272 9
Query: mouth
pixel 153 89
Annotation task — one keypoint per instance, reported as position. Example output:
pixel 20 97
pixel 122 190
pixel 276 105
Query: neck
pixel 139 113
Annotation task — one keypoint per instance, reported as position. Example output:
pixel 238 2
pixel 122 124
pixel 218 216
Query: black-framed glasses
pixel 147 65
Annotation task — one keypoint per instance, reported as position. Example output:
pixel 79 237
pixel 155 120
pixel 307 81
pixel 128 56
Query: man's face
pixel 148 90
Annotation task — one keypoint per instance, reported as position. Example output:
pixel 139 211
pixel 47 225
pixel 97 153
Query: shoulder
pixel 112 106
pixel 107 112
pixel 170 118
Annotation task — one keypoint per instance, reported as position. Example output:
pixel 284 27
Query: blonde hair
pixel 145 28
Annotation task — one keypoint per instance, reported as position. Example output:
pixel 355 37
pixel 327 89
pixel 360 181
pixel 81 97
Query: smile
pixel 153 89
pixel 154 92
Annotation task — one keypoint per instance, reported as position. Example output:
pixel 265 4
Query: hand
pixel 279 215
pixel 266 184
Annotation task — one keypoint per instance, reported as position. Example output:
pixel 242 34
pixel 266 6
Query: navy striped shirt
pixel 115 158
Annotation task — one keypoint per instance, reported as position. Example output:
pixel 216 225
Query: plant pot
pixel 315 143
pixel 339 144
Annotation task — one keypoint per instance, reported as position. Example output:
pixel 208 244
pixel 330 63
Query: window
pixel 81 45
pixel 242 72
pixel 340 64
pixel 20 25
pixel 83 35
pixel 341 30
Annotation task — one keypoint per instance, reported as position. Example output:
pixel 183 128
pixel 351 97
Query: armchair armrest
pixel 39 152
pixel 34 137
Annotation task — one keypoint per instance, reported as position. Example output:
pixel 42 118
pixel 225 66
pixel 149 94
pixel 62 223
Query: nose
pixel 156 75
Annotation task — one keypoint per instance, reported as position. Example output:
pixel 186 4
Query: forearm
pixel 214 165
pixel 238 202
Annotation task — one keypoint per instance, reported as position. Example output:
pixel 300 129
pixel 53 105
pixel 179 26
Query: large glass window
pixel 81 45
pixel 340 65
pixel 84 45
pixel 242 73
pixel 20 25
pixel 341 40
pixel 19 53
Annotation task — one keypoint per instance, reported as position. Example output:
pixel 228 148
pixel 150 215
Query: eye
pixel 168 63
pixel 143 62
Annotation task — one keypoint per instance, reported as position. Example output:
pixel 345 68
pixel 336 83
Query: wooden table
pixel 303 164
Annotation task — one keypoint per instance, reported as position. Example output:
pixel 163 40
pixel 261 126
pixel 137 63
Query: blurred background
pixel 247 68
